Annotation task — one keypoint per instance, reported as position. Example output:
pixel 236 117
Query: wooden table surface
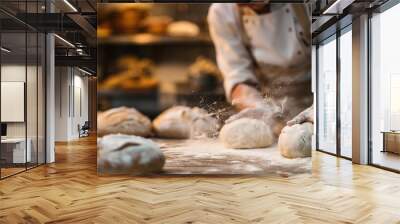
pixel 210 156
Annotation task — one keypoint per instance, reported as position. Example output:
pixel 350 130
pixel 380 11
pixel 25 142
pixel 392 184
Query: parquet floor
pixel 70 191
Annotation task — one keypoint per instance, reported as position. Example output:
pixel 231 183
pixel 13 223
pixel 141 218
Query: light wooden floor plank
pixel 70 191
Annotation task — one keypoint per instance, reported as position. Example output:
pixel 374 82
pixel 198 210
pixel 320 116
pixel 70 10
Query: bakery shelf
pixel 151 39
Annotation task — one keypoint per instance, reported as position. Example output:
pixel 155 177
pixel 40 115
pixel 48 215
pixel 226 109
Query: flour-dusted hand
pixel 306 115
pixel 263 114
pixel 270 114
pixel 264 110
pixel 245 96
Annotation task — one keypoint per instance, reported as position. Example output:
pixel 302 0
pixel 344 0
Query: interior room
pixel 48 94
pixel 335 79
pixel 53 83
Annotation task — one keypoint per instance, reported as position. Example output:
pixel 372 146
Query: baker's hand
pixel 270 114
pixel 245 96
pixel 254 113
pixel 306 115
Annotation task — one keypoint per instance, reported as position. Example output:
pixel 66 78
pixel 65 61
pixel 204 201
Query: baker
pixel 263 51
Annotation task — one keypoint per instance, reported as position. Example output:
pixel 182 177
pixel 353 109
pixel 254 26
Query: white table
pixel 18 144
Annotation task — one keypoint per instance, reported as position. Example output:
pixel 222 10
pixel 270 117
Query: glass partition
pixel 385 89
pixel 22 90
pixel 15 152
pixel 31 96
pixel 346 93
pixel 41 96
pixel 326 96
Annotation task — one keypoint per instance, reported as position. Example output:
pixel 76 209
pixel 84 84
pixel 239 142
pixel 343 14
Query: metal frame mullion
pixel 26 87
pixel 316 97
pixel 0 95
pixel 338 76
pixel 37 91
pixel 369 101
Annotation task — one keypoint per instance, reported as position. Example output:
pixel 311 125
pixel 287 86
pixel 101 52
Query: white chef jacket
pixel 273 42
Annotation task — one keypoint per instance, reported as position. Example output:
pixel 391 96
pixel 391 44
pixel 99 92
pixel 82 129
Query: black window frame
pixel 340 27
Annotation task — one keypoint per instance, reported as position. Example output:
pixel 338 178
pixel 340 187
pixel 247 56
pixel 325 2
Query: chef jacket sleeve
pixel 233 57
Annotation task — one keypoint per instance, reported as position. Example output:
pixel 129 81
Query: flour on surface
pixel 210 156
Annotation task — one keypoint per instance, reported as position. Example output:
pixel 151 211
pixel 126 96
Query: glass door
pixel 385 89
pixel 326 96
pixel 345 93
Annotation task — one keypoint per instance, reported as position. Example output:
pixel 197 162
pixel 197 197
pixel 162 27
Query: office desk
pixel 13 150
pixel 391 141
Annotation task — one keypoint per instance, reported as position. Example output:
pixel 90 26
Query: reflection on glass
pixel 22 90
pixel 31 97
pixel 346 94
pixel 327 97
pixel 15 151
pixel 385 83
pixel 41 99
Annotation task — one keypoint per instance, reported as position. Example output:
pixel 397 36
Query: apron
pixel 282 64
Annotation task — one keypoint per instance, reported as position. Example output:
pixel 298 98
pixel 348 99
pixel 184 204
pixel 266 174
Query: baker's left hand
pixel 271 115
pixel 265 111
pixel 306 115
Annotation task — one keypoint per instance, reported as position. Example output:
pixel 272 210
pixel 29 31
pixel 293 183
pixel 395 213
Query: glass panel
pixel 31 97
pixel 41 99
pixel 32 86
pixel 346 94
pixel 327 97
pixel 385 84
pixel 22 79
pixel 13 86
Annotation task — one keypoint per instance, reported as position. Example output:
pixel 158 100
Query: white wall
pixel 71 94
pixel 33 126
pixel 16 73
pixel 61 103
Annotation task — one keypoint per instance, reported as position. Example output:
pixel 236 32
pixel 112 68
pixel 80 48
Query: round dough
pixel 203 124
pixel 246 133
pixel 295 141
pixel 125 154
pixel 183 122
pixel 183 29
pixel 123 120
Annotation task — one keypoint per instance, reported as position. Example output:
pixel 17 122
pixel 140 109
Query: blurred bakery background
pixel 152 57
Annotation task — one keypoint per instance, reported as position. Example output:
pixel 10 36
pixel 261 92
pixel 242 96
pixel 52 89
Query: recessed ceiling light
pixel 70 5
pixel 64 40
pixel 5 50
pixel 84 71
pixel 337 7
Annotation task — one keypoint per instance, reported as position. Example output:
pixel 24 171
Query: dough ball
pixel 295 141
pixel 203 124
pixel 183 122
pixel 183 29
pixel 123 120
pixel 125 154
pixel 171 123
pixel 246 133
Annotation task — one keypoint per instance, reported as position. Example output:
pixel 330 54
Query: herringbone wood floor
pixel 70 191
